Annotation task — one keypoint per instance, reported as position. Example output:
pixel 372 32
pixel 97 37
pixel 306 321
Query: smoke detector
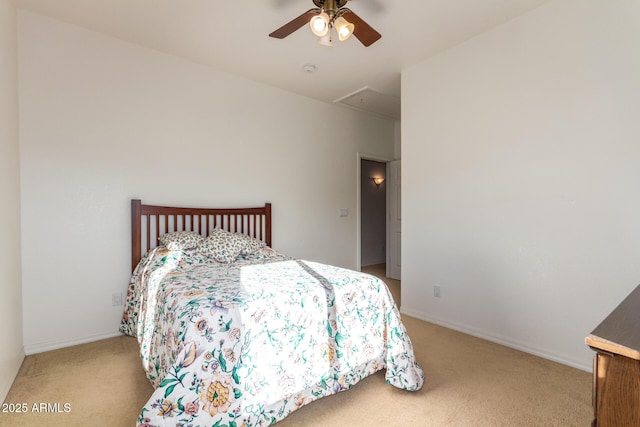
pixel 309 68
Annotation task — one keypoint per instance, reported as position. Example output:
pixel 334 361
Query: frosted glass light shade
pixel 344 28
pixel 326 40
pixel 320 24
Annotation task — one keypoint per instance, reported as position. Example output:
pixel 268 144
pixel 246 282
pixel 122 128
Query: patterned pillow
pixel 181 240
pixel 222 246
pixel 252 245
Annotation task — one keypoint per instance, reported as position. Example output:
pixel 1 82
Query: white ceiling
pixel 232 35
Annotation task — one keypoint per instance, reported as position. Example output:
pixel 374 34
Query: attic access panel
pixel 372 101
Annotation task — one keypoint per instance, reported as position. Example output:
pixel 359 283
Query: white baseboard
pixel 48 346
pixel 507 342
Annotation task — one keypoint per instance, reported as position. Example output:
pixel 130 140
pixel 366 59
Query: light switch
pixel 344 212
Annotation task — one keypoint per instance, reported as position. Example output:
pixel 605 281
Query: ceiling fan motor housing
pixel 330 5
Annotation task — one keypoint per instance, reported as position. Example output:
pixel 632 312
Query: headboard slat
pixel 148 228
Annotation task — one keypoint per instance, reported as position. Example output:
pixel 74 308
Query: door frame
pixel 393 220
pixel 375 158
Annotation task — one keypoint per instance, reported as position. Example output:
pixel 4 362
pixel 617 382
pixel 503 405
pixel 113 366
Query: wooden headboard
pixel 149 222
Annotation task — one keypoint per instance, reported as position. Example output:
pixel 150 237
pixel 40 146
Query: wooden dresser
pixel 616 366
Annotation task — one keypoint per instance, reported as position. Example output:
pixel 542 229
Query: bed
pixel 233 333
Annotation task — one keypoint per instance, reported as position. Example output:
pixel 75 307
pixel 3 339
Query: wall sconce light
pixel 378 181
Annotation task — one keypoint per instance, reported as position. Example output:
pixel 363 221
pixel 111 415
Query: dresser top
pixel 619 333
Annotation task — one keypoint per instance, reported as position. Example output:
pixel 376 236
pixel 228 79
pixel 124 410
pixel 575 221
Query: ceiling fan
pixel 330 14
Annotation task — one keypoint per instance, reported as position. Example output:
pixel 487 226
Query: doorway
pixel 378 236
pixel 373 213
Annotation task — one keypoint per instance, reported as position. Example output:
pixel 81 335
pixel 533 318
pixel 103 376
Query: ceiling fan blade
pixel 294 24
pixel 363 31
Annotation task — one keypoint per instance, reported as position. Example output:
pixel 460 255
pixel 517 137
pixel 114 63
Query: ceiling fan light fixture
pixel 344 28
pixel 320 24
pixel 327 15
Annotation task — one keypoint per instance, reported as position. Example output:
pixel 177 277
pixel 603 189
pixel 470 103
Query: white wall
pixel 397 137
pixel 521 154
pixel 11 352
pixel 104 121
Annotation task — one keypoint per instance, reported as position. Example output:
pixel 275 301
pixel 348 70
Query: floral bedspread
pixel 247 343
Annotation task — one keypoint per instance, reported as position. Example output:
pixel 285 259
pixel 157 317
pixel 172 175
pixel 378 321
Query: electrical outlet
pixel 116 299
pixel 436 291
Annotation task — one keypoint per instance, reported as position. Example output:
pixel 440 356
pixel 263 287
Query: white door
pixel 393 220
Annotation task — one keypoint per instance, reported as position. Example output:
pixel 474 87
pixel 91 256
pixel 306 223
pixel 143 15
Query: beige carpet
pixel 469 382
